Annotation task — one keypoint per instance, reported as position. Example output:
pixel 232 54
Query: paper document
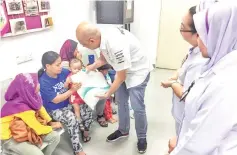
pixel 93 83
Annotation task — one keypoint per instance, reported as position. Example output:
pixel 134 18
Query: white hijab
pixel 205 4
pixel 217 28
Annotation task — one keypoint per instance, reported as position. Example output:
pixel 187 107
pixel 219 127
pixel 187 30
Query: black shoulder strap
pixel 121 30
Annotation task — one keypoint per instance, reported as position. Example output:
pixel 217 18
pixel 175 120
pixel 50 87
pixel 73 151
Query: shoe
pixel 114 112
pixel 142 145
pixel 116 135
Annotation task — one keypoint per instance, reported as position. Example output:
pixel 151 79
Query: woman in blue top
pixel 55 96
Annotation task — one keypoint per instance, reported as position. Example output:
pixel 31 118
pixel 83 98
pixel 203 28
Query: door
pixel 171 46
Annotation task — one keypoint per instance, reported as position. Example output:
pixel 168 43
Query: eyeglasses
pixel 185 94
pixel 182 29
pixel 191 31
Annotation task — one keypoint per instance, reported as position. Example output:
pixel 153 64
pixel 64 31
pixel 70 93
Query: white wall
pixel 64 27
pixel 40 42
pixel 146 25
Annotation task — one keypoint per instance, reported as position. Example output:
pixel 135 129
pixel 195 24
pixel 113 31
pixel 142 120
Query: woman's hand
pixel 174 76
pixel 75 86
pixel 67 82
pixel 56 125
pixel 166 84
pixel 172 144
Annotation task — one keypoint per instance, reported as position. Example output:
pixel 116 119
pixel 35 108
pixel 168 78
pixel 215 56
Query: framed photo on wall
pixel 47 21
pixel 44 5
pixel 14 7
pixel 3 18
pixel 31 7
pixel 18 26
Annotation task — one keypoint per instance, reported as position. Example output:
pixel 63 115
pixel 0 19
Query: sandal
pixel 103 122
pixel 114 112
pixel 87 138
pixel 81 127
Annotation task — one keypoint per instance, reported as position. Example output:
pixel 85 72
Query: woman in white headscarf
pixel 209 126
pixel 190 69
pixel 204 4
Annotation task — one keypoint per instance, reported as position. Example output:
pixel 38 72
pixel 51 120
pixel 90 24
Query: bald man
pixel 121 49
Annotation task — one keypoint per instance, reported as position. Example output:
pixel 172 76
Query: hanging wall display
pixel 46 21
pixel 31 7
pixel 44 5
pixel 18 26
pixel 14 7
pixel 24 16
pixel 3 18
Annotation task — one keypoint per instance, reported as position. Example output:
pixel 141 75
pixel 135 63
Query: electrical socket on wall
pixel 24 58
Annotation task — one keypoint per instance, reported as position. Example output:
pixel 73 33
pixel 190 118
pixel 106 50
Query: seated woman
pixel 22 103
pixel 56 97
pixel 69 51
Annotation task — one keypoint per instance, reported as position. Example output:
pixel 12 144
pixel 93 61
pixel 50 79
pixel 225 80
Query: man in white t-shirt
pixel 121 49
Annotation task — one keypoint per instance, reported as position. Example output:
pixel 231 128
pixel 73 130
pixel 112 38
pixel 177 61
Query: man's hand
pixel 90 68
pixel 103 96
pixel 98 63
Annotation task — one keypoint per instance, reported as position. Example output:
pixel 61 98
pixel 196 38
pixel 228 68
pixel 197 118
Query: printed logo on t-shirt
pixel 119 56
pixel 59 88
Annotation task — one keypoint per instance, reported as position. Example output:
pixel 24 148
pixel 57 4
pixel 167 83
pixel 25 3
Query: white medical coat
pixel 209 126
pixel 189 71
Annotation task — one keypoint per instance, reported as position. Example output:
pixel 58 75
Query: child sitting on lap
pixel 75 65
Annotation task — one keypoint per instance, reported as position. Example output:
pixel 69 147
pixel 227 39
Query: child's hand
pixel 68 80
pixel 76 86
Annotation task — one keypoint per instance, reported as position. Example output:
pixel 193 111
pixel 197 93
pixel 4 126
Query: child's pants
pixel 108 110
pixel 25 148
pixel 136 95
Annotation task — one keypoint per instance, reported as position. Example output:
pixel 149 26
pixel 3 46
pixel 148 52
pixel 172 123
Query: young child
pixel 75 65
pixel 108 109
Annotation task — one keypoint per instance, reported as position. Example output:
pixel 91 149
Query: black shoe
pixel 115 136
pixel 142 145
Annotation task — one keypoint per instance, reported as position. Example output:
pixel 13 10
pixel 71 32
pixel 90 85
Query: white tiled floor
pixel 160 127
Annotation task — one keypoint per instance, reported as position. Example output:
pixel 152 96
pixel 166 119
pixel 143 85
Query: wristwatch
pixel 174 81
